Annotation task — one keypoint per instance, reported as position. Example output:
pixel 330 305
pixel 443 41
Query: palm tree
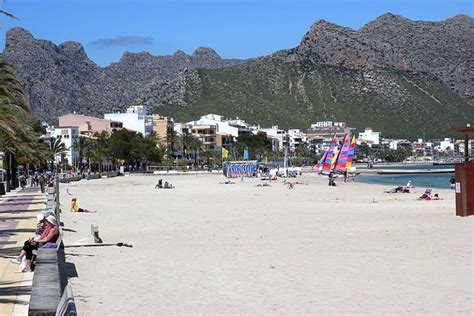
pixel 17 137
pixel 171 140
pixel 195 145
pixel 99 150
pixel 82 145
pixel 56 147
pixel 187 141
pixel 208 155
pixel 8 14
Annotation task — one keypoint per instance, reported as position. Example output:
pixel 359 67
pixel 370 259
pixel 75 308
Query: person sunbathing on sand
pixel 297 182
pixel 227 182
pixel 75 208
pixel 159 185
pixel 263 185
pixel 399 189
pixel 168 185
pixel 426 196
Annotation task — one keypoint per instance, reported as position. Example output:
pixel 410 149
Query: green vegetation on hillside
pixel 292 95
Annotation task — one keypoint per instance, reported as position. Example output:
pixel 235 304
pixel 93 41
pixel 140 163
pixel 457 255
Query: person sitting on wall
pixel 47 240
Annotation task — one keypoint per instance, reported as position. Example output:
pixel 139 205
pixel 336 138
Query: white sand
pixel 210 248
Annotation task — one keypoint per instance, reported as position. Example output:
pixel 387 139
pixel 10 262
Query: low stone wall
pixel 46 289
pixel 50 280
pixel 70 179
pixel 110 174
pixel 93 176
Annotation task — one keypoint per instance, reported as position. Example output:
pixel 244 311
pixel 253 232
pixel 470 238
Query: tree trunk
pixel 8 171
pixel 14 172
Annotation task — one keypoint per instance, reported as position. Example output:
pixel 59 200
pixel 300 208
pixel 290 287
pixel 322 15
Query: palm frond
pixel 8 14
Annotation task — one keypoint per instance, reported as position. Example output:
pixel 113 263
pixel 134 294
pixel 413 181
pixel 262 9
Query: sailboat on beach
pixel 335 160
pixel 351 155
pixel 340 165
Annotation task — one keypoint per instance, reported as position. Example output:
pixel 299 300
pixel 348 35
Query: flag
pixel 225 153
pixel 246 154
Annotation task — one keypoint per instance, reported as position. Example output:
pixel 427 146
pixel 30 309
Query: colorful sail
pixel 330 154
pixel 334 158
pixel 351 153
pixel 343 155
pixel 319 166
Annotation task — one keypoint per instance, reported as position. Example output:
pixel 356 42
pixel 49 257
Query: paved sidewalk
pixel 18 210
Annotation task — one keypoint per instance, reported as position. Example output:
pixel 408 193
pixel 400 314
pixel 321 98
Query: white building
pixel 136 119
pixel 324 124
pixel 369 136
pixel 296 138
pixel 277 135
pixel 445 145
pixel 68 136
pixel 222 127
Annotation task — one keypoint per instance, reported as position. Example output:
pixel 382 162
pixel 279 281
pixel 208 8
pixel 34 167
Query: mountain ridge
pixel 389 63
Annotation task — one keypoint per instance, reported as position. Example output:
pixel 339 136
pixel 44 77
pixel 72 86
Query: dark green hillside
pixel 268 91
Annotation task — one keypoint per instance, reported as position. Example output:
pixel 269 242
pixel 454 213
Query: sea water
pixel 432 180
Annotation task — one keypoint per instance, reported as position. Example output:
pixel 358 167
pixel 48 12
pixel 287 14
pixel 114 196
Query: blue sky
pixel 234 28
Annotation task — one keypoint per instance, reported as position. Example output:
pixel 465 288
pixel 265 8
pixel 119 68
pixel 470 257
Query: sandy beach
pixel 208 248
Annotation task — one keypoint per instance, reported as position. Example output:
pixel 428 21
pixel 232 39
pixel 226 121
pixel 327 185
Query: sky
pixel 233 28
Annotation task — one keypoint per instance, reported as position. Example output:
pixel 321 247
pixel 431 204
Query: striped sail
pixel 330 154
pixel 319 166
pixel 343 155
pixel 351 153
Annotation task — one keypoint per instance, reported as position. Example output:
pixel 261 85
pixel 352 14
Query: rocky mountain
pixel 61 79
pixel 444 50
pixel 403 77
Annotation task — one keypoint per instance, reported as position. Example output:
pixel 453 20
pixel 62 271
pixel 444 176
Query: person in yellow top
pixel 76 208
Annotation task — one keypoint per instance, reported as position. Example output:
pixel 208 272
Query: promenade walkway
pixel 18 210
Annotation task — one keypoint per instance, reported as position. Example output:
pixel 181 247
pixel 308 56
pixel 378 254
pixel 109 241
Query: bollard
pixel 95 233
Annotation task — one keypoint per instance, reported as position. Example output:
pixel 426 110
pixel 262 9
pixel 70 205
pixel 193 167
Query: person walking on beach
pixel 331 179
